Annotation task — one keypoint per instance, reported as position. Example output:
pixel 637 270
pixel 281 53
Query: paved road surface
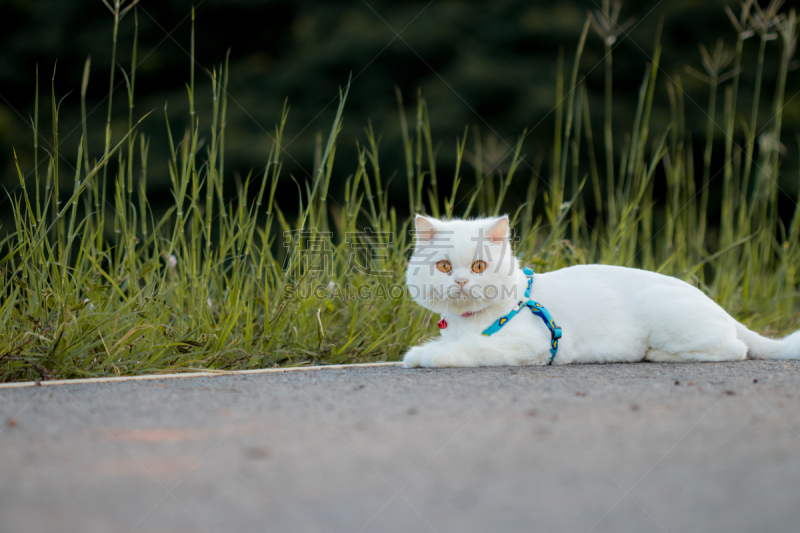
pixel 612 448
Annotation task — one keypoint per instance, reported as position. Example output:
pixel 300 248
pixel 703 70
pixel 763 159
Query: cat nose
pixel 461 282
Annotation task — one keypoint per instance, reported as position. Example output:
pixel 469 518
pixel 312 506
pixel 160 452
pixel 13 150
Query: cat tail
pixel 765 348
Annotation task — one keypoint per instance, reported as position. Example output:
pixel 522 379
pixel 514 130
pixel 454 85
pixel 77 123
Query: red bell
pixel 442 323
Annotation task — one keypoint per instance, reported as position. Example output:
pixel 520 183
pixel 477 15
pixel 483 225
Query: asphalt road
pixel 609 448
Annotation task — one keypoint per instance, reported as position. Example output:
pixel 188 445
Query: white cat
pixel 465 271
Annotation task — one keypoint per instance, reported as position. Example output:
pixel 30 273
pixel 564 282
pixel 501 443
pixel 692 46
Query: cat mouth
pixel 468 297
pixel 464 297
pixel 463 293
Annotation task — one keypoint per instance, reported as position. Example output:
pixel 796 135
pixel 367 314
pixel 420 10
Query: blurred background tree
pixel 489 65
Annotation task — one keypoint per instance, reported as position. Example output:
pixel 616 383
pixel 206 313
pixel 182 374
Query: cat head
pixel 461 266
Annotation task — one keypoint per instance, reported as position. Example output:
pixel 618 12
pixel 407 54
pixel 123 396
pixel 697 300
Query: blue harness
pixel 537 309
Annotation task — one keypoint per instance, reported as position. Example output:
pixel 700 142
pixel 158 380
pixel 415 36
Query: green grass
pixel 95 283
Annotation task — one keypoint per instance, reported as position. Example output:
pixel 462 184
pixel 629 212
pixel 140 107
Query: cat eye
pixel 478 266
pixel 444 266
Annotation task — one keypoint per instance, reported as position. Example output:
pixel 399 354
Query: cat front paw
pixel 440 358
pixel 430 359
pixel 413 357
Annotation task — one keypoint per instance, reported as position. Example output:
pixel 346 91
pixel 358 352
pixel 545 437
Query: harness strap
pixel 537 309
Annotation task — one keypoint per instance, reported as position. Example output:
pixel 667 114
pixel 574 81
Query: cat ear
pixel 497 233
pixel 425 228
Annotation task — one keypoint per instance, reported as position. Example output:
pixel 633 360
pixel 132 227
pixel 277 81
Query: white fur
pixel 608 314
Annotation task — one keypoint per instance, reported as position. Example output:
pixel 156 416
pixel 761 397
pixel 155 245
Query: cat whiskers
pixel 483 303
pixel 443 304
